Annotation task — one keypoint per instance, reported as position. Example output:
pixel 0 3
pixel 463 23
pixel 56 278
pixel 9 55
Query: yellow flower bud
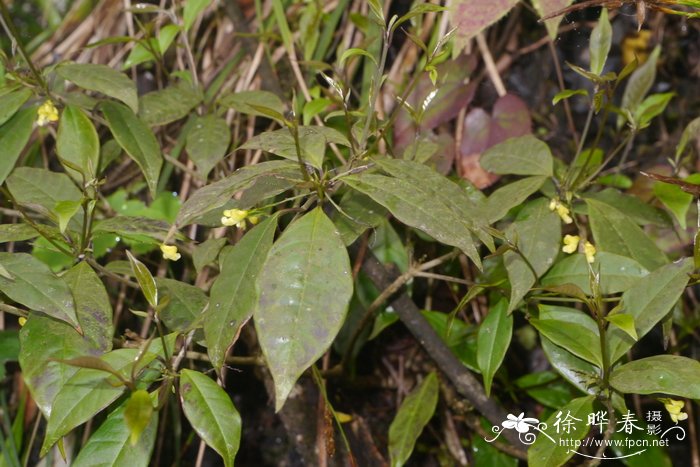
pixel 570 243
pixel 563 212
pixel 22 321
pixel 46 113
pixel 170 252
pixel 253 219
pixel 234 217
pixel 589 250
pixel 553 204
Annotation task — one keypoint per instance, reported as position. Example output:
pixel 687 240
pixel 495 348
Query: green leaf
pixel 134 136
pixel 355 52
pixel 252 102
pixel 102 79
pixel 65 210
pixel 78 144
pixel 421 198
pixel 578 372
pixel 233 293
pixel 614 232
pixel 17 232
pixel 207 142
pixel 415 412
pixel 624 322
pixel 206 253
pixel 305 287
pixel 640 212
pixel 691 132
pixel 185 306
pixel 524 155
pixel 513 194
pixel 665 374
pixel 651 107
pixel 537 234
pixel 133 225
pixel 92 305
pixel 88 392
pixel 211 413
pixel 547 8
pixel 567 93
pixel 41 188
pixel 110 445
pixel 675 199
pixel 138 414
pixel 639 84
pixel 617 273
pixel 495 333
pixel 312 143
pixel 216 194
pixel 140 53
pixel 648 301
pixel 547 449
pixel 575 332
pixel 169 104
pixel 145 280
pixel 34 286
pixel 599 45
pixel 193 8
pixel 359 213
pixel 11 102
pixel 14 135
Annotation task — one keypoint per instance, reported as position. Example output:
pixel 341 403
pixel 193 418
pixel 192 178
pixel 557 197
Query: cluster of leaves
pixel 323 186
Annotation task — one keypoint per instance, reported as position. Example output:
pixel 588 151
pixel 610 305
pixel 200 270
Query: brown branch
pixel 465 383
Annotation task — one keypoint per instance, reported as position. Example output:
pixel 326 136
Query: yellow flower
pixel 253 219
pixel 674 408
pixel 570 243
pixel 563 211
pixel 22 321
pixel 234 217
pixel 170 252
pixel 46 113
pixel 589 250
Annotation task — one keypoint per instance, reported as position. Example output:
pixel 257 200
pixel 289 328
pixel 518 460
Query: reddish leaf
pixel 470 17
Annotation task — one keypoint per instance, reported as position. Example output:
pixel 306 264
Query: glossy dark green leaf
pixel 212 414
pixel 495 333
pixel 547 449
pixel 579 339
pixel 600 42
pixel 614 232
pixel 88 392
pixel 145 280
pixel 648 301
pixel 41 189
pixel 110 446
pixel 617 273
pixel 312 143
pixel 77 143
pixel 64 211
pixel 676 197
pixel 524 155
pixel 11 102
pixel 141 54
pixel 102 79
pixel 537 234
pixel 14 135
pixel 305 287
pixel 216 194
pixel 663 374
pixel 169 104
pixel 207 142
pixel 624 322
pixel 133 225
pixel 634 208
pixel 185 304
pixel 360 213
pixel 36 287
pixel 233 293
pixel 134 136
pixel 414 413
